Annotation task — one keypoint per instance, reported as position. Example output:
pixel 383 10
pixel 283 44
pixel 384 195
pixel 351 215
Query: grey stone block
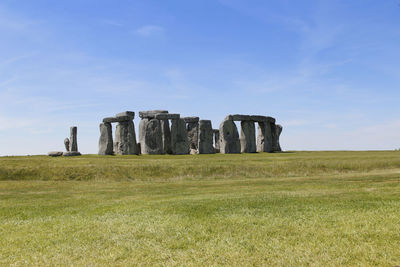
pixel 105 140
pixel 179 138
pixel 191 119
pixel 248 137
pixel 71 154
pixel 206 137
pixel 73 139
pixel 238 117
pixel 117 119
pixel 150 136
pixel 193 134
pixel 264 138
pixel 126 137
pixel 229 137
pixel 166 137
pixel 259 118
pixel 66 143
pixel 166 116
pixel 130 114
pixel 149 114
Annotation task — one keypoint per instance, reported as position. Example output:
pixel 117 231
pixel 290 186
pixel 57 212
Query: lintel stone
pixel 167 116
pixel 149 114
pixel 191 119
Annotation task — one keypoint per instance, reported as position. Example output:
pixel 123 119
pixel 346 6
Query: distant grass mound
pixel 286 209
pixel 217 166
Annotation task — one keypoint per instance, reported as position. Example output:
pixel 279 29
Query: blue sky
pixel 328 71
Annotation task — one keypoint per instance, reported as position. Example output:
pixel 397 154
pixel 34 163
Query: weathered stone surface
pixel 193 134
pixel 278 134
pixel 206 137
pixel 259 118
pixel 117 119
pixel 130 114
pixel 216 140
pixel 66 144
pixel 248 137
pixel 117 139
pixel 264 138
pixel 229 137
pixel 191 119
pixel 71 154
pixel 166 116
pixel 73 147
pixel 150 136
pixel 179 138
pixel 149 114
pixel 126 137
pixel 166 137
pixel 238 117
pixel 55 153
pixel 105 140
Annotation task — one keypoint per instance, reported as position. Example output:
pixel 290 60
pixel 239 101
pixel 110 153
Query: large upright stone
pixel 126 139
pixel 193 134
pixel 166 137
pixel 264 138
pixel 179 138
pixel 278 134
pixel 150 136
pixel 216 141
pixel 73 139
pixel 106 140
pixel 248 137
pixel 66 144
pixel 229 137
pixel 206 137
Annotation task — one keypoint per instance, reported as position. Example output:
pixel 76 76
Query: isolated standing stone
pixel 126 137
pixel 193 134
pixel 264 138
pixel 179 138
pixel 216 141
pixel 150 136
pixel 166 136
pixel 73 139
pixel 206 137
pixel 106 140
pixel 66 144
pixel 248 137
pixel 229 137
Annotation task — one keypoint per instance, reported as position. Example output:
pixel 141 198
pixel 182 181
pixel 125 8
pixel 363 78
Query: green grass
pixel 286 209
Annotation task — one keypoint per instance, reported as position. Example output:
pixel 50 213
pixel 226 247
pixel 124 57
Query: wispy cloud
pixel 150 30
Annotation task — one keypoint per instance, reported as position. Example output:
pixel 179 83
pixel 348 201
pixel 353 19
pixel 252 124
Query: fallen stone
pixel 206 137
pixel 248 137
pixel 130 114
pixel 150 136
pixel 179 138
pixel 166 116
pixel 126 139
pixel 192 129
pixel 149 114
pixel 191 119
pixel 229 137
pixel 264 138
pixel 117 119
pixel 216 140
pixel 73 139
pixel 71 154
pixel 55 153
pixel 66 144
pixel 105 140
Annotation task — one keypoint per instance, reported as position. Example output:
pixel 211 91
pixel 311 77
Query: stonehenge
pixel 72 150
pixel 161 132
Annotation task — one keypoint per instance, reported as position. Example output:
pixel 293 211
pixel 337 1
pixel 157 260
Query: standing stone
pixel 150 136
pixel 126 139
pixel 73 139
pixel 166 137
pixel 229 137
pixel 248 137
pixel 275 137
pixel 216 141
pixel 193 135
pixel 179 137
pixel 105 141
pixel 206 137
pixel 264 138
pixel 117 138
pixel 278 134
pixel 66 144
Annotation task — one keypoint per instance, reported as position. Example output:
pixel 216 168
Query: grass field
pixel 285 209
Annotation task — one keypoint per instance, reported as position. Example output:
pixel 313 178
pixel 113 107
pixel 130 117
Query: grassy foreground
pixel 287 209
